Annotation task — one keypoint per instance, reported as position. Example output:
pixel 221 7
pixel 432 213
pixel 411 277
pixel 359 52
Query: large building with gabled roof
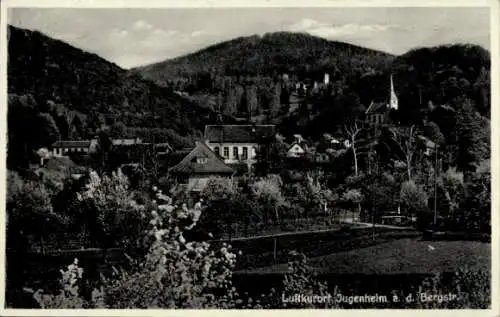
pixel 197 166
pixel 237 143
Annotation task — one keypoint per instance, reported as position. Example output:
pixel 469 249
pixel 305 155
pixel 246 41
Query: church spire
pixel 393 103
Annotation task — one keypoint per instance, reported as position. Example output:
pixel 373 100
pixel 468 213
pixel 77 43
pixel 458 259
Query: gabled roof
pixel 238 133
pixel 213 164
pixel 294 145
pixel 71 144
pixel 376 107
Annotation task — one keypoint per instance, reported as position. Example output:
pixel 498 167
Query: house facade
pixel 295 151
pixel 237 143
pixel 200 164
pixel 64 148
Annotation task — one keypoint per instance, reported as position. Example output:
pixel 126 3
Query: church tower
pixel 393 101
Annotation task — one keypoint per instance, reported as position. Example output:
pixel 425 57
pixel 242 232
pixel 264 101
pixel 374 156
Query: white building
pixel 237 143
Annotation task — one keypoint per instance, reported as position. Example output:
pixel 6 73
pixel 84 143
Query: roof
pixel 189 165
pixel 238 133
pixel 296 145
pixel 71 144
pixel 376 107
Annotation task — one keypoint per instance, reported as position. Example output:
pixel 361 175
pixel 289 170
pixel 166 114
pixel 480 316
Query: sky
pixel 132 37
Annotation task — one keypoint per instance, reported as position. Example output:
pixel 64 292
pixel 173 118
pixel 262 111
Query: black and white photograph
pixel 249 157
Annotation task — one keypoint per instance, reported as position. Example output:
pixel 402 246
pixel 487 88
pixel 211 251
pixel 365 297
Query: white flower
pixel 181 239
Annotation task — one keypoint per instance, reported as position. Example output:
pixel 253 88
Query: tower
pixel 393 102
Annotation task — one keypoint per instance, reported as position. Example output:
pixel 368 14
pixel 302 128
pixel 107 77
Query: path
pixel 356 225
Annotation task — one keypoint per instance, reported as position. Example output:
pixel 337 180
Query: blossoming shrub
pixel 174 274
pixel 112 218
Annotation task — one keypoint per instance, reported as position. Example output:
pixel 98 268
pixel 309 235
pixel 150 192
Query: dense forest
pixel 64 92
pixel 270 55
pixel 245 77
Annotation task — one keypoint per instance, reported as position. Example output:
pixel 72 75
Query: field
pixel 402 256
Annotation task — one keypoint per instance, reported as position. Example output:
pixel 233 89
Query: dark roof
pixel 214 164
pixel 175 157
pixel 238 133
pixel 71 144
pixel 377 107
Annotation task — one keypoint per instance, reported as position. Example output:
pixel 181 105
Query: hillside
pixel 269 55
pixel 242 77
pixel 79 91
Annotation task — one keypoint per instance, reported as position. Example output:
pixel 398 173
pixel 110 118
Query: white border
pixel 495 139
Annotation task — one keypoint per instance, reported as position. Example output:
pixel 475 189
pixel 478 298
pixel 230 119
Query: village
pixel 259 171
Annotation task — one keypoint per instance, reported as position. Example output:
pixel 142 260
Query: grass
pixel 402 256
pixel 260 252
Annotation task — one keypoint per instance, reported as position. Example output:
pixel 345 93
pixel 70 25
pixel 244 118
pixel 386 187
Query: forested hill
pixel 271 54
pixel 443 73
pixel 78 91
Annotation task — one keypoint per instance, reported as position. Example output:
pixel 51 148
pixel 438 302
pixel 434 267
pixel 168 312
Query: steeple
pixel 393 102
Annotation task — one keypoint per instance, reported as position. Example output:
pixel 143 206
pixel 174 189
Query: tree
pixel 267 191
pixel 433 132
pixel 477 204
pixel 47 130
pixel 453 186
pixel 219 213
pixel 352 131
pixel 405 140
pixel 109 214
pixel 414 199
pixel 101 154
pixel 353 197
pixel 175 273
pixel 472 137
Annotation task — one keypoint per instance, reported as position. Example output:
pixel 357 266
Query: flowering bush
pixel 69 296
pixel 175 273
pixel 110 214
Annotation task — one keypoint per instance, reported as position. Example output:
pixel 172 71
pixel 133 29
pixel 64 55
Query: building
pixel 297 148
pixel 237 143
pixel 295 151
pixel 64 148
pixel 198 166
pixel 126 142
pixel 378 112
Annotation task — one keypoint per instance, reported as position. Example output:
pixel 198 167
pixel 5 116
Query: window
pixel 217 150
pixel 201 160
pixel 226 152
pixel 235 152
pixel 254 152
pixel 245 153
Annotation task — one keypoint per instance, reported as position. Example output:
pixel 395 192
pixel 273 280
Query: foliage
pixel 477 204
pixel 267 192
pixel 69 296
pixel 175 273
pixel 471 288
pixel 71 93
pixel 413 197
pixel 107 211
pixel 302 280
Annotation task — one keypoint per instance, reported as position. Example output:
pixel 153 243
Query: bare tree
pixel 352 131
pixel 406 141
